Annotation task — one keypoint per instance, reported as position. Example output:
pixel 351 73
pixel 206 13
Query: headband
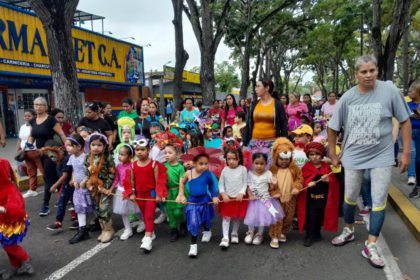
pixel 74 141
pixel 129 147
pixel 100 135
pixel 140 143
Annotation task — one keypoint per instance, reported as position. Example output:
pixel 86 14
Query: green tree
pixel 226 78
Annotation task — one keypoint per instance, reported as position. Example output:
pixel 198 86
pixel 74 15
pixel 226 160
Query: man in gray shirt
pixel 365 112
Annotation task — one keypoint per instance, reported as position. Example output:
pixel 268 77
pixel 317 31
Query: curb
pixel 23 182
pixel 406 210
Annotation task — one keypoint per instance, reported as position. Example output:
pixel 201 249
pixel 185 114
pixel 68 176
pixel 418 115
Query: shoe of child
pixel 82 234
pixel 282 238
pixel 45 211
pixel 258 239
pixel 8 274
pixel 162 218
pixel 30 193
pixel 25 269
pixel 224 243
pixel 249 237
pixel 127 233
pixel 74 225
pixel 411 181
pixel 193 251
pixel 274 243
pixel 234 239
pixel 146 244
pixel 370 252
pixel 55 227
pixel 415 193
pixel 153 237
pixel 346 236
pixel 308 241
pixel 141 227
pixel 206 236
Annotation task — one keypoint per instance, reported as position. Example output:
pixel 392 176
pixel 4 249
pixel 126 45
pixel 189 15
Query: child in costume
pixel 263 209
pixel 13 223
pixel 210 141
pixel 122 206
pixel 303 135
pixel 202 189
pixel 318 204
pixel 233 184
pixel 100 172
pixel 287 183
pixel 148 181
pixel 82 198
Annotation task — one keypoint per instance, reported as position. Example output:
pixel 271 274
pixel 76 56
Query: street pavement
pixel 54 258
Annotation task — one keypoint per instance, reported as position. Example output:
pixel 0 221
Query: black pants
pixel 50 177
pixel 314 221
pixel 168 118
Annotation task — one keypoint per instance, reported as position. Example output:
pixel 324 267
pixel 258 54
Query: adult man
pixel 365 112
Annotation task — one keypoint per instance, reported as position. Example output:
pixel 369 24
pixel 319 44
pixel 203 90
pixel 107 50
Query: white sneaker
pixel 249 236
pixel 153 237
pixel 258 239
pixel 234 239
pixel 141 227
pixel 411 181
pixel 30 193
pixel 206 236
pixel 193 251
pixel 146 243
pixel 162 218
pixel 224 243
pixel 126 234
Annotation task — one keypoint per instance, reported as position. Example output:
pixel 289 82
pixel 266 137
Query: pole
pixel 161 99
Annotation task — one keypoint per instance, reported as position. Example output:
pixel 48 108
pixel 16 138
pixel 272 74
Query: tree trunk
pixel 245 68
pixel 181 56
pixel 207 77
pixel 57 19
pixel 405 59
pixel 377 34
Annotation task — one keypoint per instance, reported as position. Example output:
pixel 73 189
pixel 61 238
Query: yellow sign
pixel 188 77
pixel 24 52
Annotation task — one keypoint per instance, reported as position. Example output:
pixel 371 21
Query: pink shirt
pixel 327 110
pixel 230 119
pixel 121 172
pixel 294 112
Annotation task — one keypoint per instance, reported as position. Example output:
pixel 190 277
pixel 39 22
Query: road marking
pixel 58 274
pixel 392 270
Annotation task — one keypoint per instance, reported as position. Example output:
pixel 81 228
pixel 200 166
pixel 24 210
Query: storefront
pixel 108 69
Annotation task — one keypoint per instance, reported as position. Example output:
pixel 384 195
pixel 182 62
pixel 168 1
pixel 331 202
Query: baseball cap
pixel 303 129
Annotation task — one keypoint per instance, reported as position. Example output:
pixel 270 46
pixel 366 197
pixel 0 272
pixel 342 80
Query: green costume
pixel 174 210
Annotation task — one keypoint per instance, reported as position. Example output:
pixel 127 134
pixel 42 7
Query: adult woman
pixel 414 93
pixel 93 121
pixel 327 108
pixel 58 114
pixel 284 98
pixel 229 112
pixel 32 164
pixel 43 128
pixel 294 111
pixel 190 113
pixel 154 116
pixel 128 109
pixel 142 122
pixel 307 99
pixel 112 120
pixel 267 120
pixel 244 106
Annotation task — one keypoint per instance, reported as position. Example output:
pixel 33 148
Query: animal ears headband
pixel 285 155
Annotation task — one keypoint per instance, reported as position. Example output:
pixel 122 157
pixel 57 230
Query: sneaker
pixel 45 211
pixel 127 233
pixel 411 181
pixel 153 237
pixel 364 212
pixel 308 241
pixel 347 235
pixel 258 239
pixel 141 227
pixel 274 243
pixel 415 193
pixel 206 236
pixel 224 243
pixel 74 225
pixel 193 251
pixel 248 237
pixel 55 227
pixel 25 269
pixel 7 274
pixel 30 193
pixel 162 218
pixel 282 238
pixel 370 252
pixel 234 239
pixel 146 244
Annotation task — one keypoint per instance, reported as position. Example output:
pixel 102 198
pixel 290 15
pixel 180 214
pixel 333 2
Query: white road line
pixel 392 270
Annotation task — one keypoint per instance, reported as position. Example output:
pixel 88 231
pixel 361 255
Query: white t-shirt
pixel 259 185
pixel 24 133
pixel 300 158
pixel 233 181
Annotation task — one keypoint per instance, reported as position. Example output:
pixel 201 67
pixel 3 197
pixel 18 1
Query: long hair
pixel 233 104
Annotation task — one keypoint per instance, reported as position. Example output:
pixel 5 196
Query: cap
pixel 303 129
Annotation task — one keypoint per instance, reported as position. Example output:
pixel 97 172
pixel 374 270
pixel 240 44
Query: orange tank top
pixel 264 128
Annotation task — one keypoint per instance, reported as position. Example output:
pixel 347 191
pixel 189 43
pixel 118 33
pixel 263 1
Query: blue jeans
pixel 414 156
pixel 65 197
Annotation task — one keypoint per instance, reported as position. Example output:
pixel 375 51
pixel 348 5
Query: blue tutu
pixel 199 214
pixel 262 213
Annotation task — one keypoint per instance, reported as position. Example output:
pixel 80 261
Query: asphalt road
pixel 50 252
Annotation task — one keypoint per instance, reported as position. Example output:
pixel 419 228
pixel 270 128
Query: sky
pixel 149 22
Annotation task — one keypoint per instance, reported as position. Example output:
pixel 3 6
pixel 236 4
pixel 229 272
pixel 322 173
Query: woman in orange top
pixel 266 122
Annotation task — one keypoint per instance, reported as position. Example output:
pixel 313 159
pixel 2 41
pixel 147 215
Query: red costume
pixel 13 223
pixel 331 208
pixel 150 181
